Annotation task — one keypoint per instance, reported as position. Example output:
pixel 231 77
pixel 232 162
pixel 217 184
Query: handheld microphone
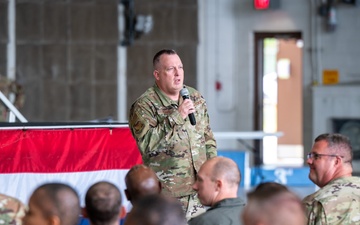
pixel 185 95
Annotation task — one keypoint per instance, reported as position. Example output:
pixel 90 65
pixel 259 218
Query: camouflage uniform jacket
pixel 169 144
pixel 11 210
pixel 336 203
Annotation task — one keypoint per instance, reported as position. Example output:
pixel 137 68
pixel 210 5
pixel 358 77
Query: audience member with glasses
pixel 338 199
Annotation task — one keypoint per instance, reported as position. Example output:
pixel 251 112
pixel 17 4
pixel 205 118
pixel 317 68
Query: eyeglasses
pixel 313 155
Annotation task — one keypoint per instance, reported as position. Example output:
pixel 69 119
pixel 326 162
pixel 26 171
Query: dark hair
pixel 135 186
pixel 103 202
pixel 265 189
pixel 338 143
pixel 131 171
pixel 53 202
pixel 158 210
pixel 156 58
pixel 268 201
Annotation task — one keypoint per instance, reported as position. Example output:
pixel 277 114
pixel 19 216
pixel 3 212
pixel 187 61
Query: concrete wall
pixel 175 27
pixel 66 58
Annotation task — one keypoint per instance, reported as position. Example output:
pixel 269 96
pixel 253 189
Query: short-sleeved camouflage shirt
pixel 336 203
pixel 169 144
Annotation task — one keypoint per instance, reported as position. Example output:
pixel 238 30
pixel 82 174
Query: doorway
pixel 278 98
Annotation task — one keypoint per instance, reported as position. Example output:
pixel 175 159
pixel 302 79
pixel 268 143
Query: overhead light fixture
pixel 135 25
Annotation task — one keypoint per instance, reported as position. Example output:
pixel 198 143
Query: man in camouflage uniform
pixel 338 199
pixel 11 210
pixel 169 144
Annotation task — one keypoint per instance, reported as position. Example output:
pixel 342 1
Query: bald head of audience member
pixel 103 204
pixel 141 181
pixel 217 179
pixel 158 209
pixel 273 204
pixel 53 203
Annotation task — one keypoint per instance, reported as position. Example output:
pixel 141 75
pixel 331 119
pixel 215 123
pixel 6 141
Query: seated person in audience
pixel 103 204
pixel 217 185
pixel 53 203
pixel 12 210
pixel 140 181
pixel 158 209
pixel 338 199
pixel 273 204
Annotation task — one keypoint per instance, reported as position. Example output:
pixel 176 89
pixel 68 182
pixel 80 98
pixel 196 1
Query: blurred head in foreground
pixel 273 204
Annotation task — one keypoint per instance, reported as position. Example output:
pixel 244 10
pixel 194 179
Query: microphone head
pixel 184 92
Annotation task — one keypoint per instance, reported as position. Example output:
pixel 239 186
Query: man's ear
pixel 156 74
pixel 122 213
pixel 218 184
pixel 54 220
pixel 84 212
pixel 338 161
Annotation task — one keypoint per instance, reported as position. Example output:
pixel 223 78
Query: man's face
pixel 169 74
pixel 35 215
pixel 205 187
pixel 322 167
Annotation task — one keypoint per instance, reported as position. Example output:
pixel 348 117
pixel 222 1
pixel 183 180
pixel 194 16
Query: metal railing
pixel 14 112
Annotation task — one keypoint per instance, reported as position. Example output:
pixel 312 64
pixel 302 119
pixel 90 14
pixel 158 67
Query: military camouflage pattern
pixel 192 206
pixel 11 210
pixel 169 144
pixel 336 203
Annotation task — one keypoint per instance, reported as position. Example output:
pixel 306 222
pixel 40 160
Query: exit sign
pixel 261 4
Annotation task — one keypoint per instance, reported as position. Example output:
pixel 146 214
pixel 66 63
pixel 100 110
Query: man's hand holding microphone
pixel 187 107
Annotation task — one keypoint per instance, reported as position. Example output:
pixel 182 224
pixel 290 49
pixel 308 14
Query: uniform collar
pixel 165 100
